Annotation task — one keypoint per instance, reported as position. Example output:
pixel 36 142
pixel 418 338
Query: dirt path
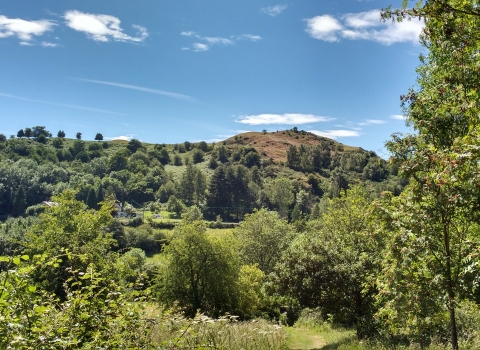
pixel 304 339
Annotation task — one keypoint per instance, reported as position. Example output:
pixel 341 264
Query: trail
pixel 304 339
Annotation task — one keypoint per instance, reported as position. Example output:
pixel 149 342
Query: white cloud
pixel 324 28
pixel 209 41
pixel 96 110
pixel 363 26
pixel 24 43
pixel 122 137
pixel 198 47
pixel 102 27
pixel 285 119
pixel 139 88
pixel 334 134
pixel 397 117
pixel 47 44
pixel 215 40
pixel 22 29
pixel 274 10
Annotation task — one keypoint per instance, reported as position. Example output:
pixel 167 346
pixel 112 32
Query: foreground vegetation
pixel 326 252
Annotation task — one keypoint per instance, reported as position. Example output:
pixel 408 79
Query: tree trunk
pixel 450 291
pixel 453 328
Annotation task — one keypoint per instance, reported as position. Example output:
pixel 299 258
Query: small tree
pixel 134 145
pixel 175 205
pixel 61 134
pixel 79 136
pixel 28 132
pixel 98 137
pixel 199 272
pixel 20 133
pixel 197 156
pixel 41 138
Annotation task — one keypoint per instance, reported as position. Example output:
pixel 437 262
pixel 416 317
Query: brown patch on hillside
pixel 275 144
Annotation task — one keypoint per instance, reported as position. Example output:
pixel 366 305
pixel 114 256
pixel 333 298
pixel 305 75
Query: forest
pixel 241 243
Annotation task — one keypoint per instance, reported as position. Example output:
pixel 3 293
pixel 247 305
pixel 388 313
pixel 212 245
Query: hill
pixel 275 144
pixel 288 170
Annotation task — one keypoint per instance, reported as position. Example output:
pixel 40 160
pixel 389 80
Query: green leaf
pixel 32 289
pixel 404 3
pixel 25 257
pixel 16 261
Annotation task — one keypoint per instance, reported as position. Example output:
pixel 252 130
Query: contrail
pixel 60 104
pixel 140 88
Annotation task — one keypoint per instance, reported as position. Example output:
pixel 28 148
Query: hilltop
pixel 275 144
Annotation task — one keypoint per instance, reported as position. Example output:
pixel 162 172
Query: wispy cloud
pixel 210 41
pixel 397 117
pixel 248 37
pixel 274 10
pixel 47 44
pixel 23 29
pixel 335 134
pixel 139 88
pixel 363 26
pixel 96 110
pixel 373 121
pixel 284 119
pixel 127 137
pixel 102 27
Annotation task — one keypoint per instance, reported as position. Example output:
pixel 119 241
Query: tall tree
pixel 20 133
pixel 61 134
pixel 78 135
pixel 441 159
pixel 98 137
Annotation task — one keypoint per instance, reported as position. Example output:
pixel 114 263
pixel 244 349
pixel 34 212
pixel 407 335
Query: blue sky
pixel 170 71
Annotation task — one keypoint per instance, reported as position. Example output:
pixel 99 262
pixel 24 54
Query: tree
pixel 19 201
pixel 92 199
pixel 333 264
pixel 20 133
pixel 187 185
pixel 28 132
pixel 174 205
pixel 280 193
pixel 293 160
pixel 434 217
pixel 99 137
pixel 134 145
pixel 41 138
pixel 61 134
pixel 197 156
pixel 40 130
pixel 262 237
pixel 78 135
pixel 3 138
pixel 199 272
pixel 202 145
pixel 70 226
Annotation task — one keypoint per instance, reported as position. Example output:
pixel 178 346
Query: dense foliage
pixel 389 249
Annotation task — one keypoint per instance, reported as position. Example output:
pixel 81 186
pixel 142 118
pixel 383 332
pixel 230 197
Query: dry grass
pixel 275 144
pixel 202 332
